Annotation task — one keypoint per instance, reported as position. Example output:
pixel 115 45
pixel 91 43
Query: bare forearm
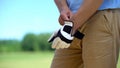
pixel 61 4
pixel 88 8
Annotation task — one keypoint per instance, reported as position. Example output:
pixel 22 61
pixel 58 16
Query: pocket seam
pixel 108 26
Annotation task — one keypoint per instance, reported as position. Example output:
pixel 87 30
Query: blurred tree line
pixel 30 42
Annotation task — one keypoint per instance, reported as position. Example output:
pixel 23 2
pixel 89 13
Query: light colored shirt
pixel 74 5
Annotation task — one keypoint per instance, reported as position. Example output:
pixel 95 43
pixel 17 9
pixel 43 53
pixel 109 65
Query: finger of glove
pixel 63 45
pixel 67 46
pixel 60 44
pixel 55 42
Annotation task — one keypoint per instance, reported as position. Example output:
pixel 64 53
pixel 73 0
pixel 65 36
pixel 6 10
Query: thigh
pixel 98 44
pixel 68 58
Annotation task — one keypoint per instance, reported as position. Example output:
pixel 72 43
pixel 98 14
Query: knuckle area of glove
pixel 76 44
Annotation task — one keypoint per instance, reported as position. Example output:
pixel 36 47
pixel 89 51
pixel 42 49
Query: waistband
pixel 117 10
pixel 108 10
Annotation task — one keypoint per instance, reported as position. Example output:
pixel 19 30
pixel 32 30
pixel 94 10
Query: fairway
pixel 27 60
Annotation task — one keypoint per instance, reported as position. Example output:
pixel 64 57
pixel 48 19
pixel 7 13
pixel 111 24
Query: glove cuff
pixel 63 38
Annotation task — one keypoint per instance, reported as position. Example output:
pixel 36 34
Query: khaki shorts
pixel 100 46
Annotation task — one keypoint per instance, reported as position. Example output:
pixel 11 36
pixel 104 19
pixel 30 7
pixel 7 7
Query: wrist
pixel 77 22
pixel 64 9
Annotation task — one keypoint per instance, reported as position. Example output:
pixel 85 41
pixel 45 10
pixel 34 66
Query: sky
pixel 19 17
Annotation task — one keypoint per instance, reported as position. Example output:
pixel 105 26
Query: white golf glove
pixel 62 38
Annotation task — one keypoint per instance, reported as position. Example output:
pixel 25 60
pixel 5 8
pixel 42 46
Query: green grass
pixel 27 60
pixel 118 66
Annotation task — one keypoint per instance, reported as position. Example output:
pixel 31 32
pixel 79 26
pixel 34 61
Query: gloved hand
pixel 63 38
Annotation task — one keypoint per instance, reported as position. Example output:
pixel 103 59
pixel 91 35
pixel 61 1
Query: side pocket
pixel 76 44
pixel 108 19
